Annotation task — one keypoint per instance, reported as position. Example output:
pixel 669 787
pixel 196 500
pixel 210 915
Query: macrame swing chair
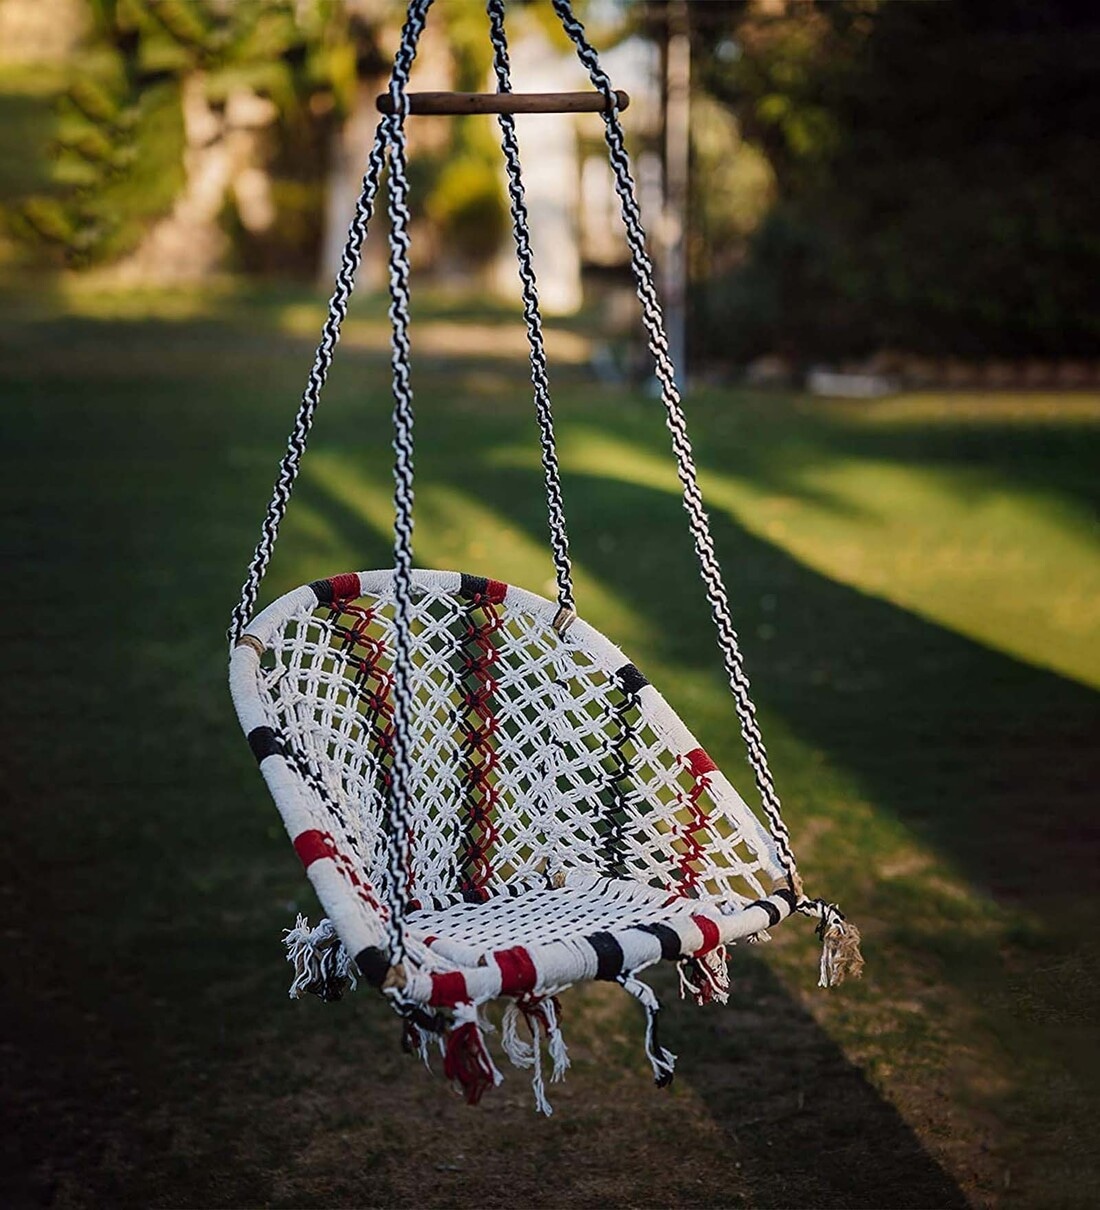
pixel 490 800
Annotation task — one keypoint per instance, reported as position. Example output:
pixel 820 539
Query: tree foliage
pixel 935 169
pixel 119 150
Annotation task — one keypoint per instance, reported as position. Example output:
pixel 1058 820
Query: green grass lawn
pixel 916 582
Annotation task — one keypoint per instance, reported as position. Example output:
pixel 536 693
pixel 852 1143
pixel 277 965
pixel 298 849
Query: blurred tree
pixel 935 169
pixel 120 149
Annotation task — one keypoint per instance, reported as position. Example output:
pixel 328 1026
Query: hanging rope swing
pixel 490 800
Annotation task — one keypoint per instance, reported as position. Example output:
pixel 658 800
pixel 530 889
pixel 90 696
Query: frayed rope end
pixel 322 966
pixel 840 943
pixel 466 1061
pixel 661 1060
pixel 705 978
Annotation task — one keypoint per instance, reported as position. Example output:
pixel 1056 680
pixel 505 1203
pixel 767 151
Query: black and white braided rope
pixel 398 820
pixel 681 444
pixel 390 135
pixel 559 538
pixel 291 461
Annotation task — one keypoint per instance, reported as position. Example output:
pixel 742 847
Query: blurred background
pixel 903 189
pixel 877 232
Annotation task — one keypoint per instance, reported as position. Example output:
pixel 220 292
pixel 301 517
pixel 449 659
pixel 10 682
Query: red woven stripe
pixel 711 935
pixel 345 587
pixel 517 971
pixel 699 762
pixel 449 989
pixel 313 845
pixel 495 591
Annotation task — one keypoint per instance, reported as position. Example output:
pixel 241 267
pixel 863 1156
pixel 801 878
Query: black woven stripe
pixel 322 590
pixel 630 679
pixel 620 773
pixel 788 896
pixel 609 955
pixel 774 916
pixel 472 586
pixel 373 965
pixel 669 938
pixel 264 743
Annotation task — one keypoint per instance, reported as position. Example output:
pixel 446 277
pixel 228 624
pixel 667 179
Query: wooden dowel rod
pixel 504 102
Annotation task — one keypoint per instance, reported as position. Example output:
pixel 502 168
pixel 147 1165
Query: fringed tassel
pixel 466 1061
pixel 538 1013
pixel 322 967
pixel 414 1041
pixel 662 1061
pixel 521 1053
pixel 551 1015
pixel 840 953
pixel 537 1086
pixel 705 978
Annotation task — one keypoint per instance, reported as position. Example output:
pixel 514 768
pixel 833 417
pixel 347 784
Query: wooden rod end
pixel 459 103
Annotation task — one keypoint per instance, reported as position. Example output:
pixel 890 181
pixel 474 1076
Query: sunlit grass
pixel 1015 568
pixel 457 532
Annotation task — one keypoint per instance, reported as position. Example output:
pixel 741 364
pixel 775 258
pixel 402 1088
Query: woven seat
pixel 538 757
pixel 588 928
pixel 468 933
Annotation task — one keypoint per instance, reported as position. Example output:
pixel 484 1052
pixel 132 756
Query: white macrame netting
pixel 530 752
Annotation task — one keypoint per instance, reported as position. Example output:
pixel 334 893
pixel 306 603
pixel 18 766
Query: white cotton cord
pixel 556 1041
pixel 687 988
pixel 525 1054
pixel 542 1105
pixel 661 1060
pixel 299 954
pixel 520 1053
pixel 715 970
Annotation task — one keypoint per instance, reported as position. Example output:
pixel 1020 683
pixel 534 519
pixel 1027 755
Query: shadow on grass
pixel 151 1065
pixel 990 760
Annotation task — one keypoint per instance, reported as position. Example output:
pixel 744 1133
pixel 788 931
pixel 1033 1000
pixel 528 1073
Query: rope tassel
pixel 840 953
pixel 551 1015
pixel 706 977
pixel 539 1014
pixel 662 1061
pixel 322 967
pixel 466 1061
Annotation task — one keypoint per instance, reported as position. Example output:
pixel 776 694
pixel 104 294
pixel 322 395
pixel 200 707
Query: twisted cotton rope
pixel 397 827
pixel 350 259
pixel 291 461
pixel 390 134
pixel 685 463
pixel 559 538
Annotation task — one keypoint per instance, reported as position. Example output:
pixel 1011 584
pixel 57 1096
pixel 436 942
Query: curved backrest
pixel 532 750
